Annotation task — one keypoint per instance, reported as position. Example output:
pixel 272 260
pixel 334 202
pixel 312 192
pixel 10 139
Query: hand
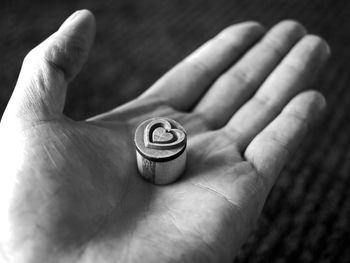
pixel 71 190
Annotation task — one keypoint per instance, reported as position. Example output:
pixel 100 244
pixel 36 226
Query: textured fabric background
pixel 306 218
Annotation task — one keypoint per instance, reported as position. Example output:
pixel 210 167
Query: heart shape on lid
pixel 161 135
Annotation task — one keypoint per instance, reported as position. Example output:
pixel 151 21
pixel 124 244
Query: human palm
pixel 73 193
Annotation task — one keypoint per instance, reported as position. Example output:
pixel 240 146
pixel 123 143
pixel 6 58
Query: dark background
pixel 307 216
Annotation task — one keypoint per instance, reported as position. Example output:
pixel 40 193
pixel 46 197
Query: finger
pixel 185 83
pixel 271 149
pixel 293 75
pixel 234 87
pixel 46 70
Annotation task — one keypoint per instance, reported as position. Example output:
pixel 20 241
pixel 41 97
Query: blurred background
pixel 307 215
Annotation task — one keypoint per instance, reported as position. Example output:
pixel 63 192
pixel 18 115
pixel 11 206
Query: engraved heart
pixel 160 134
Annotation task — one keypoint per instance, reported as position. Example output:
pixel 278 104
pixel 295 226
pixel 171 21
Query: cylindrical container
pixel 160 150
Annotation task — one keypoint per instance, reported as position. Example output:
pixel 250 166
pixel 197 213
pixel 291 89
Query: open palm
pixel 72 192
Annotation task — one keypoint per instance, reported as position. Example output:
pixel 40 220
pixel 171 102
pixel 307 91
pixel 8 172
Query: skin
pixel 70 190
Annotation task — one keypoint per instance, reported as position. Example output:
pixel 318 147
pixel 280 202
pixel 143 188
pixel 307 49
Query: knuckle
pixel 282 36
pixel 295 65
pixel 240 75
pixel 273 45
pixel 55 57
pixel 230 134
pixel 76 47
pixel 207 122
pixel 266 103
pixel 70 48
pixel 278 139
pixel 66 54
pixel 54 53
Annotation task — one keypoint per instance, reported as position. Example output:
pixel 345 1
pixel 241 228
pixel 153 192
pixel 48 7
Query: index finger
pixel 183 85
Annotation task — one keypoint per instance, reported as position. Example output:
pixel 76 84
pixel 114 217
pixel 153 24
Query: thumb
pixel 47 69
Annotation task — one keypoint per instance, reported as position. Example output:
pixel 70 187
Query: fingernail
pixel 322 103
pixel 71 18
pixel 328 49
pixel 321 106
